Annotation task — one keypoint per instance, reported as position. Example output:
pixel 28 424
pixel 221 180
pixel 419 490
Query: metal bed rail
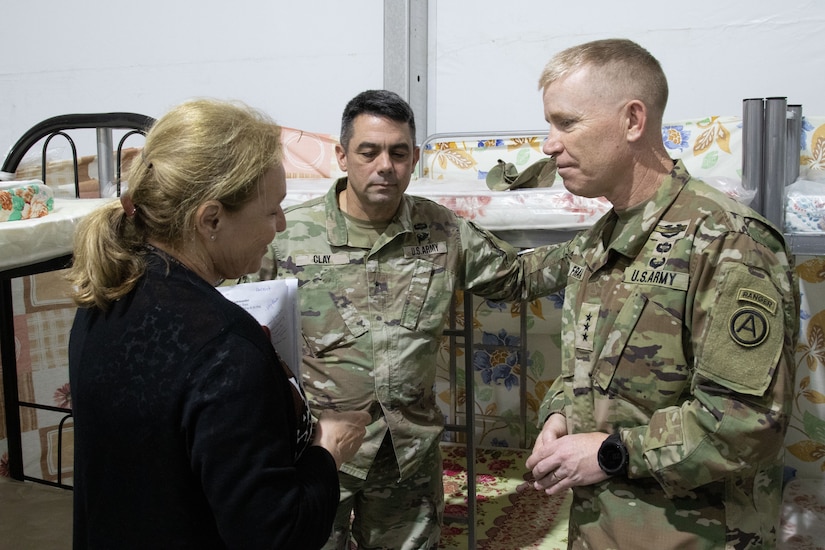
pixel 46 130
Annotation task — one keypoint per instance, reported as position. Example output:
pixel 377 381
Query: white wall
pixel 486 55
pixel 301 61
pixel 298 61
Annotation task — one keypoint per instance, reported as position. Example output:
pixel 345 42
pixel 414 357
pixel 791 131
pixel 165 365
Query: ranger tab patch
pixel 758 298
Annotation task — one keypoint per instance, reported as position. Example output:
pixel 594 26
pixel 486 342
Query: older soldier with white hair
pixel 680 320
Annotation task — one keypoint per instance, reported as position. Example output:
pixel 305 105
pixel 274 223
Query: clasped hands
pixel 560 461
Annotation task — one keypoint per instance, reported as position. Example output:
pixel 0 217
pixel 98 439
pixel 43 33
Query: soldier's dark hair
pixel 382 103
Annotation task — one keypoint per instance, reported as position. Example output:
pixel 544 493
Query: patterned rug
pixel 505 519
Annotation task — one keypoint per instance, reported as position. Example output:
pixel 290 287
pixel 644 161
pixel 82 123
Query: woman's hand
pixel 341 433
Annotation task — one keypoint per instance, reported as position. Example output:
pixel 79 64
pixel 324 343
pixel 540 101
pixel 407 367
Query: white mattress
pixel 25 242
pixel 550 208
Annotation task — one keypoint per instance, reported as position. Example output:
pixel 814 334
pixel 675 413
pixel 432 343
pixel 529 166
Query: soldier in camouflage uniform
pixel 679 325
pixel 377 270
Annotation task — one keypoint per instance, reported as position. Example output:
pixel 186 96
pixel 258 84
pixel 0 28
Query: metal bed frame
pixel 46 130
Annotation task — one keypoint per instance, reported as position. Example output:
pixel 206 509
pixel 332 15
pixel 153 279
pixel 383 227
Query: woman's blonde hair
pixel 200 150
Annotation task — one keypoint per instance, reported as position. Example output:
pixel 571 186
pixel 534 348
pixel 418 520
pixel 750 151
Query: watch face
pixel 612 455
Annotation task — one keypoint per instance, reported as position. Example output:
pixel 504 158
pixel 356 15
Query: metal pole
pixel 469 402
pixel 794 139
pixel 773 198
pixel 406 56
pixel 105 168
pixel 11 396
pixel 753 115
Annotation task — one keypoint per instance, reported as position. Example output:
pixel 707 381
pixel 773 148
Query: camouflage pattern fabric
pixel 402 515
pixel 679 332
pixel 372 319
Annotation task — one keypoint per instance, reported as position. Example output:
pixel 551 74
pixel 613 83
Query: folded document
pixel 274 304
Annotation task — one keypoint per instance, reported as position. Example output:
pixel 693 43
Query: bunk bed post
pixel 773 184
pixel 753 117
pixel 794 143
pixel 105 169
pixel 469 421
pixel 11 396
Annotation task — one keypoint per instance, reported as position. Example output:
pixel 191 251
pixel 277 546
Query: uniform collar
pixel 337 224
pixel 637 230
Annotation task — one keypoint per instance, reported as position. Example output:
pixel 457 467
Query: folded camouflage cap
pixel 504 175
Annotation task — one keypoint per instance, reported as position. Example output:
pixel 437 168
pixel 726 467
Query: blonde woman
pixel 189 430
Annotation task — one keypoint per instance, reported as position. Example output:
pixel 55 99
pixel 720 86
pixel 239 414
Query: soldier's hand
pixel 569 461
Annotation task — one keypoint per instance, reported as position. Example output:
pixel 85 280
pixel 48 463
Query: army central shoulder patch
pixel 748 327
pixel 742 340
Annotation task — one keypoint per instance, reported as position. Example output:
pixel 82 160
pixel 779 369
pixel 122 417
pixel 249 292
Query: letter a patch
pixel 748 327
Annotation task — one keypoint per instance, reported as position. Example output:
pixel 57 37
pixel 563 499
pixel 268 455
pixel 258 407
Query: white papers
pixel 274 304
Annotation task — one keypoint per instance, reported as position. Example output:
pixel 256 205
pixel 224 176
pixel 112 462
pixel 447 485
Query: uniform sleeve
pixel 496 270
pixel 742 322
pixel 241 445
pixel 554 402
pixel 491 267
pixel 545 270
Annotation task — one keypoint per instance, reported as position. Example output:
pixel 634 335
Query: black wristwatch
pixel 613 455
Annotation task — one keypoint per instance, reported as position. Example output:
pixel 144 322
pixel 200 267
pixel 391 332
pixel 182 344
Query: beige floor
pixel 34 516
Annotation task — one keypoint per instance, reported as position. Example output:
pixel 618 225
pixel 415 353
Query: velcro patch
pixel 743 340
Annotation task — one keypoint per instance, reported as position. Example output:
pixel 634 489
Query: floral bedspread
pixel 24 200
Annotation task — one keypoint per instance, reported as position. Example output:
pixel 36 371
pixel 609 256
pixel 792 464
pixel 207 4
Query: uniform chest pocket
pixel 428 297
pixel 643 359
pixel 329 319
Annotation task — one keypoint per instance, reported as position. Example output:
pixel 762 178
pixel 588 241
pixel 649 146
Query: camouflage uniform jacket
pixel 680 335
pixel 372 319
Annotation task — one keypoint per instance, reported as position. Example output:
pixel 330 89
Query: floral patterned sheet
pixel 505 518
pixel 452 172
pixel 24 200
pixel 802 524
pixel 805 197
pixel 805 206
